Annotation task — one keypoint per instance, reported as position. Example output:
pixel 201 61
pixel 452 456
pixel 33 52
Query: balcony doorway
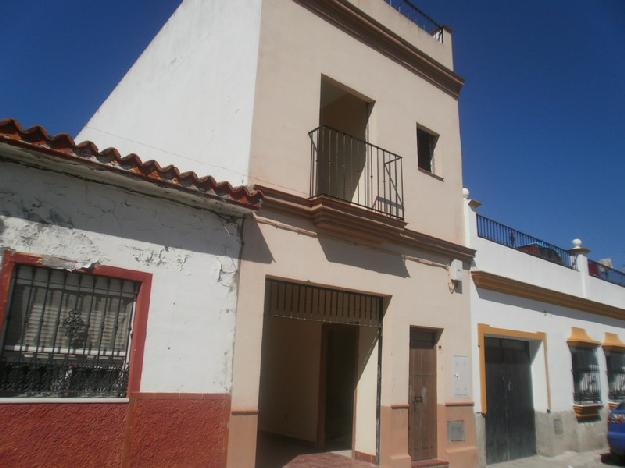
pixel 342 158
pixel 343 109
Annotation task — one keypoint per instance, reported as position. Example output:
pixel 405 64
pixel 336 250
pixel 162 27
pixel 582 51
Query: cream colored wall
pixel 367 391
pixel 402 26
pixel 420 296
pixel 296 49
pixel 290 384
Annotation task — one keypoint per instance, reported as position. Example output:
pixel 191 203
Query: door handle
pixel 417 399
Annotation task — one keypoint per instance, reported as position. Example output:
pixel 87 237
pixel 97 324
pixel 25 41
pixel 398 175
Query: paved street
pixel 566 460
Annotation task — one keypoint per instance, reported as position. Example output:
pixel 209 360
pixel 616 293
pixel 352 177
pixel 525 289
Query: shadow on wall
pixel 388 263
pixel 70 204
pixel 545 308
pixel 256 248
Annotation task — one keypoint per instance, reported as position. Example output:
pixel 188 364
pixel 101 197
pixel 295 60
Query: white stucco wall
pixel 514 313
pixel 191 253
pixel 188 99
pixel 511 312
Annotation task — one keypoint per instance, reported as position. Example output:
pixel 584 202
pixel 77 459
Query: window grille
pixel 67 334
pixel 586 378
pixel 615 361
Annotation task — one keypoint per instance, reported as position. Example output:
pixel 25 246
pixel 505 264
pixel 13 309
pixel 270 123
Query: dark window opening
pixel 67 334
pixel 615 361
pixel 586 377
pixel 426 142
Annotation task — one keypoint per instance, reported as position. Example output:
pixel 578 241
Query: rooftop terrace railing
pixel 517 240
pixel 604 272
pixel 418 17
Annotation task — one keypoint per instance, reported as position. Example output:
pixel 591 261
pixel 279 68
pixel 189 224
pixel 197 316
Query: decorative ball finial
pixel 465 192
pixel 577 243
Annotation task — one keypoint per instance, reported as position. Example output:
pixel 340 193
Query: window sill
pixel 431 174
pixel 587 411
pixel 31 401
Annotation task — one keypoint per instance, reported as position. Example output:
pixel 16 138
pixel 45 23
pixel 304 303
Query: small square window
pixel 426 142
pixel 67 334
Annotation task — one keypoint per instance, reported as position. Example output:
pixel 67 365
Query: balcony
pixel 353 170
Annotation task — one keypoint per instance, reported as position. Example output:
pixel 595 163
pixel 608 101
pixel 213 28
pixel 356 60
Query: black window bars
pixel 67 334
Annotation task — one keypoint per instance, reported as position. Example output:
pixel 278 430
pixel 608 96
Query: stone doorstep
pixel 431 463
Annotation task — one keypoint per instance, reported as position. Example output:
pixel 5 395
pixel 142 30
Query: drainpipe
pixel 580 254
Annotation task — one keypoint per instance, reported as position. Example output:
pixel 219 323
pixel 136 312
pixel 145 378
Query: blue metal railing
pixel 418 17
pixel 604 272
pixel 517 240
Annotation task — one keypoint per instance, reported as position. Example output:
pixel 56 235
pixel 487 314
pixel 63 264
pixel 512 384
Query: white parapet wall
pixel 188 99
pixel 192 254
pixel 527 308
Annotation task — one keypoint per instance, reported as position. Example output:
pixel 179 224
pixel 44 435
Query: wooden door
pixel 510 429
pixel 422 395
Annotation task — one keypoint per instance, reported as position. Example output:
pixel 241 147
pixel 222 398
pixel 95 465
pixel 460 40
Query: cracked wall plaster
pixel 192 254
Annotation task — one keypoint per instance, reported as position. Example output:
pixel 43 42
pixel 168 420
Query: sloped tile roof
pixel 63 146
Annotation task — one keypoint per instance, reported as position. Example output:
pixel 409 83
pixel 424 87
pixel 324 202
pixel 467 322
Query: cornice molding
pixel 580 337
pixel 612 342
pixel 355 22
pixel 505 285
pixel 358 224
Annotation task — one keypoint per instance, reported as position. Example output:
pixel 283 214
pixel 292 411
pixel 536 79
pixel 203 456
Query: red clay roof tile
pixel 63 146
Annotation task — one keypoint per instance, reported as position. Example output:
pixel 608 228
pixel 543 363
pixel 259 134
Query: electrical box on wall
pixel 455 270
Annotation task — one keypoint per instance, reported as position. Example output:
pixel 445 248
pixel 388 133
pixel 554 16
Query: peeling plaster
pixel 192 254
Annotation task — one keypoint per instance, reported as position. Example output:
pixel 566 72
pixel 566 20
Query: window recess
pixel 67 334
pixel 586 376
pixel 426 144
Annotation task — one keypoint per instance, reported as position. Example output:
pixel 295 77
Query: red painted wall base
pixel 152 430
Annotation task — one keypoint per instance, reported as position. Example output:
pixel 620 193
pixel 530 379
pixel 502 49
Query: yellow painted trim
pixel 484 330
pixel 579 337
pixel 505 285
pixel 612 341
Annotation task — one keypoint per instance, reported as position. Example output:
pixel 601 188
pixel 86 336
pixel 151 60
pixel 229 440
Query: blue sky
pixel 542 111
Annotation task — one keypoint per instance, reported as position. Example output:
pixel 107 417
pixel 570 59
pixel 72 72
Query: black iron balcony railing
pixel 604 272
pixel 418 17
pixel 505 235
pixel 351 169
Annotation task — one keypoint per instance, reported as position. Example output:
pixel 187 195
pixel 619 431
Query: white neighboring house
pixel 548 328
pixel 118 288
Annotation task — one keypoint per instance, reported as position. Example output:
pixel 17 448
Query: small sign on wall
pixel 455 431
pixel 461 376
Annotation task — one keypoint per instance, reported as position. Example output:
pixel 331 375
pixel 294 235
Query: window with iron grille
pixel 615 361
pixel 586 377
pixel 66 334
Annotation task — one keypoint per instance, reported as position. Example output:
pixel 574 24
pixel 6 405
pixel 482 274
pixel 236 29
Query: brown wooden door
pixel 422 395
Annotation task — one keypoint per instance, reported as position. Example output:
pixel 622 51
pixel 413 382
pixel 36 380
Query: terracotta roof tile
pixel 63 146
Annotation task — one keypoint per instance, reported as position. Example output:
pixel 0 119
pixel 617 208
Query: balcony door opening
pixel 342 156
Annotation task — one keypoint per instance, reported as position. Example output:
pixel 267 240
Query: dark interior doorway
pixel 338 385
pixel 510 427
pixel 422 394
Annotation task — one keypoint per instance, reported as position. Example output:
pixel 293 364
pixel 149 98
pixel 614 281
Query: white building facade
pixel 548 328
pixel 118 296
